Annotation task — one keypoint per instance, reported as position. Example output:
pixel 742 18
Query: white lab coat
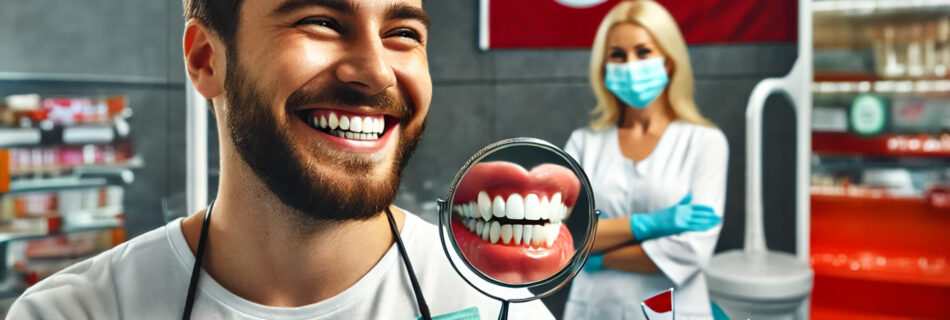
pixel 688 158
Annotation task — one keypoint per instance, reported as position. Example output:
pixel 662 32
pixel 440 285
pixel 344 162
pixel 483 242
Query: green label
pixel 868 114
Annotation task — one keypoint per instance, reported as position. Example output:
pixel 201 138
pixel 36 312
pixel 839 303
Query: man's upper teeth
pixel 530 207
pixel 354 124
pixel 333 122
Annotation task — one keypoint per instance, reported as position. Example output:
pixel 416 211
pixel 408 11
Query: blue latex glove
pixel 673 220
pixel 594 263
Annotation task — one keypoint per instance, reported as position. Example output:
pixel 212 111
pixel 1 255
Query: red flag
pixel 573 23
pixel 659 306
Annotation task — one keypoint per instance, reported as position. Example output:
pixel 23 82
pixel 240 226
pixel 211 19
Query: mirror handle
pixel 503 313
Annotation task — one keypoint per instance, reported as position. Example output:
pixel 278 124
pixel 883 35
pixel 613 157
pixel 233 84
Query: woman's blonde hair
pixel 661 26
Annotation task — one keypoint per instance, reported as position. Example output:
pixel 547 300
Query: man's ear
pixel 200 48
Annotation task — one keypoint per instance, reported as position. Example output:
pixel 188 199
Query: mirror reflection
pixel 509 221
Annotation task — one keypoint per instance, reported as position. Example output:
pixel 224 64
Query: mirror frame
pixel 488 285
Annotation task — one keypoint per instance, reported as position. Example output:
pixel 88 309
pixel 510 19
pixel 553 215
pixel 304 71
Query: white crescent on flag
pixel 580 3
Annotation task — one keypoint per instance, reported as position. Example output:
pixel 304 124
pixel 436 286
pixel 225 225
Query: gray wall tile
pixel 549 111
pixel 452 47
pixel 541 64
pixel 114 37
pixel 742 60
pixel 175 31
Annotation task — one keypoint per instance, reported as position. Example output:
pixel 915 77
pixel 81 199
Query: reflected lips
pixel 508 221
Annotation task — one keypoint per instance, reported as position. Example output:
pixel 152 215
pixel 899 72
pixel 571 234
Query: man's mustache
pixel 343 96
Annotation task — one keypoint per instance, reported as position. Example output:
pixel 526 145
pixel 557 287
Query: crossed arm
pixel 621 252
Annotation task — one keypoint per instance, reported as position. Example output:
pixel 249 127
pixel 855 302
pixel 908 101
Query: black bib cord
pixel 196 270
pixel 420 300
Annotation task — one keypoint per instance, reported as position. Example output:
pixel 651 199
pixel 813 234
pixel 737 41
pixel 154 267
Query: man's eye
pixel 319 22
pixel 405 33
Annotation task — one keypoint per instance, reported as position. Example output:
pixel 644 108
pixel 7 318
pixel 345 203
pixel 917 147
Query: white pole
pixel 196 154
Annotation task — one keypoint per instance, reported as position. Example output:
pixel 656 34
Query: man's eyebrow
pixel 345 7
pixel 403 11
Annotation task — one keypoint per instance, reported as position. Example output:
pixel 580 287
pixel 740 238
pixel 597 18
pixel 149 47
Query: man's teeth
pixel 532 235
pixel 542 217
pixel 516 207
pixel 350 127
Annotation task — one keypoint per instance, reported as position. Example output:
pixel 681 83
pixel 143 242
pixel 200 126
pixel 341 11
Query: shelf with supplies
pixel 877 7
pixel 896 280
pixel 911 117
pixel 55 227
pixel 32 258
pixel 53 143
pixel 64 164
pixel 849 83
pixel 82 176
pixel 876 236
pixel 63 135
pixel 921 269
pixel 848 144
pixel 890 42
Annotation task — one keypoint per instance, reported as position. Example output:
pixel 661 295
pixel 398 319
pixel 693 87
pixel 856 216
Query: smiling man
pixel 319 105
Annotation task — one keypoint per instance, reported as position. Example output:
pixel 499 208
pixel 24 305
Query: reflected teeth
pixel 496 219
pixel 514 208
pixel 350 127
pixel 529 235
pixel 517 231
pixel 506 233
pixel 484 205
pixel 530 207
pixel 498 207
pixel 494 232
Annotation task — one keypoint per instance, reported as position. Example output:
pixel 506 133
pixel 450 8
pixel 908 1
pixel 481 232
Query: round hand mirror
pixel 519 220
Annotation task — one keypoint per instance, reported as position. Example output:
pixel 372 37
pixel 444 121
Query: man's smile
pixel 355 131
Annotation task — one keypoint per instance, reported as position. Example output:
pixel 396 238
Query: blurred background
pixel 93 129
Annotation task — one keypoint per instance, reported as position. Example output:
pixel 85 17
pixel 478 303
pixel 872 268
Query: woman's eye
pixel 618 56
pixel 644 52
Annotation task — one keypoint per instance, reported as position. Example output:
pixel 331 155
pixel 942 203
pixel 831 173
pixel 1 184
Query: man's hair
pixel 221 16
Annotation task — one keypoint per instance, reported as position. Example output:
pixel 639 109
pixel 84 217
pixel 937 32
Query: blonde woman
pixel 658 170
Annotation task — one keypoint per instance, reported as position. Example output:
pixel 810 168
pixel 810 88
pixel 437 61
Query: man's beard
pixel 268 150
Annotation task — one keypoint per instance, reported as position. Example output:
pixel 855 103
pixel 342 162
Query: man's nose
pixel 364 68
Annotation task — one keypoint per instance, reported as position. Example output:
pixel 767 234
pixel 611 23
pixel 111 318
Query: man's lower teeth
pixel 353 135
pixel 533 235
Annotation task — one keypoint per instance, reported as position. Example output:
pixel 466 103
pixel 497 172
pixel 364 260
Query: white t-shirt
pixel 688 158
pixel 147 278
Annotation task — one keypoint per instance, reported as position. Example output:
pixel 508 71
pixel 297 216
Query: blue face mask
pixel 637 83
